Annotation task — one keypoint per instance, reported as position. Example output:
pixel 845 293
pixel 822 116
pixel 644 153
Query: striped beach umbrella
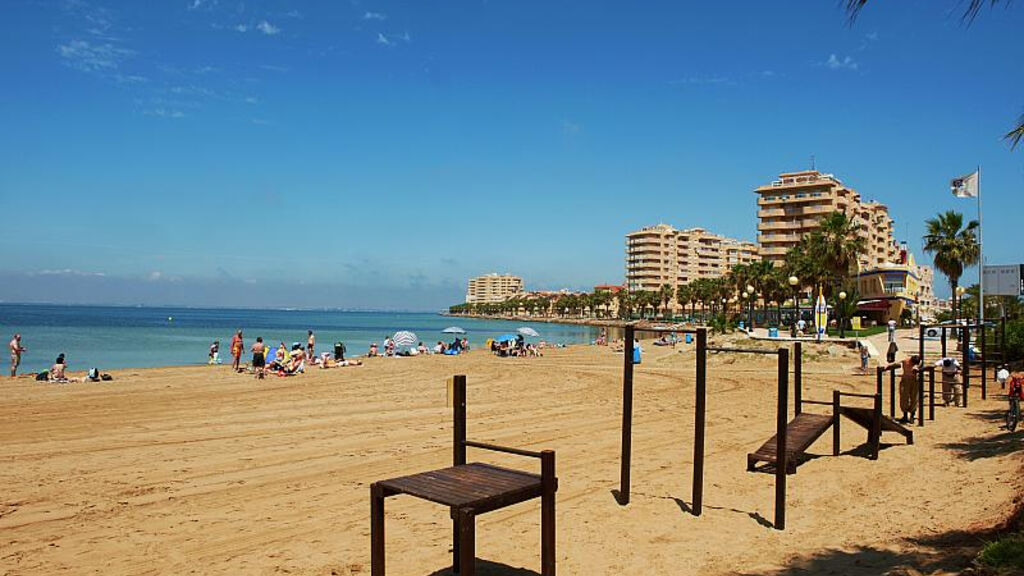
pixel 453 330
pixel 529 332
pixel 404 339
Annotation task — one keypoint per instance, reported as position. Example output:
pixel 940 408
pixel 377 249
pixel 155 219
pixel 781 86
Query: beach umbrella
pixel 506 337
pixel 404 338
pixel 453 330
pixel 527 331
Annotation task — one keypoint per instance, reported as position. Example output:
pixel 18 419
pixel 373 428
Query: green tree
pixel 665 295
pixel 953 246
pixel 838 244
pixel 684 296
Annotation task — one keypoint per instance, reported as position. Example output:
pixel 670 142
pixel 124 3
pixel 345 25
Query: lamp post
pixel 794 283
pixel 747 306
pixel 958 304
pixel 749 295
pixel 842 320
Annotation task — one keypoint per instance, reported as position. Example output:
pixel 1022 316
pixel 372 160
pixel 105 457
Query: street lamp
pixel 794 283
pixel 749 294
pixel 842 321
pixel 746 305
pixel 958 305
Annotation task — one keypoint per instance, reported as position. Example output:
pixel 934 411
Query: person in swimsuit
pixel 259 357
pixel 236 350
pixel 58 372
pixel 310 344
pixel 16 351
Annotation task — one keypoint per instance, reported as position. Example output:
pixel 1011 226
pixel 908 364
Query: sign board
pixel 1004 280
pixel 855 323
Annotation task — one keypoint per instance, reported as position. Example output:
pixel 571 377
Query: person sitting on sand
pixel 373 351
pixel 464 345
pixel 422 348
pixel 439 347
pixel 214 352
pixel 58 372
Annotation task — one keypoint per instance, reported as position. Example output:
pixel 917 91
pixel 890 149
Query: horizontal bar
pixel 505 449
pixel 662 330
pixel 819 402
pixel 856 395
pixel 744 350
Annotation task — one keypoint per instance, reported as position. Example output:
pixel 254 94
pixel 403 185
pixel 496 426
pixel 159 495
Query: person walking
pixel 892 330
pixel 16 351
pixel 1002 376
pixel 310 345
pixel 236 350
pixel 865 357
pixel 908 387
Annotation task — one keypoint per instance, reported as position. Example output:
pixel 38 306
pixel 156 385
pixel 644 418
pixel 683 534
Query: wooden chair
pixel 469 490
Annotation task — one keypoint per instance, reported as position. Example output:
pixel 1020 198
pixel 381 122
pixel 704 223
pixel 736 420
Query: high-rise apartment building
pixel 493 288
pixel 662 254
pixel 795 204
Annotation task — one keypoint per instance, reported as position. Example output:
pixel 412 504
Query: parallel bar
pixel 505 449
pixel 663 330
pixel 984 371
pixel 798 379
pixel 700 407
pixel 878 380
pixel 876 433
pixel 376 530
pixel 965 351
pixel 931 393
pixel 854 394
pixel 818 402
pixel 627 416
pixel 892 393
pixel 781 422
pixel 943 341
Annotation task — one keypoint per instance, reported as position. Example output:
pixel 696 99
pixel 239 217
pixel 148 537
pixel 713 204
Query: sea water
pixel 113 337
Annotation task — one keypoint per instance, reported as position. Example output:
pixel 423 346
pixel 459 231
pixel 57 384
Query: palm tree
pixel 684 296
pixel 839 245
pixel 665 295
pixel 953 246
pixel 1014 136
pixel 624 303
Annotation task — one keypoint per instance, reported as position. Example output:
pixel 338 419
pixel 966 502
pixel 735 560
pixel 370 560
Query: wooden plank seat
pixel 801 432
pixel 469 490
pixel 865 416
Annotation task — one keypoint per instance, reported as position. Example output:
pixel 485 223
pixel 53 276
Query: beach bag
pixel 636 355
pixel 106 377
pixel 43 376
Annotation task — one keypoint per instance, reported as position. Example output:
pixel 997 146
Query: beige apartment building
pixel 662 254
pixel 794 205
pixel 493 288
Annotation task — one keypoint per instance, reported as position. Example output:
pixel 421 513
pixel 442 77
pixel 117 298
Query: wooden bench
pixel 469 490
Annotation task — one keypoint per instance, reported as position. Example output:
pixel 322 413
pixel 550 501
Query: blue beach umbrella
pixel 506 338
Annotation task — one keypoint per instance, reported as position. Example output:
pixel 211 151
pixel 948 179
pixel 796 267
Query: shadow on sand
pixel 488 568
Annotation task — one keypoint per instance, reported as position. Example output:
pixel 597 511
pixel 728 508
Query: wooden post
pixel 878 380
pixel 876 428
pixel 931 394
pixel 781 423
pixel 798 379
pixel 943 341
pixel 920 376
pixel 700 407
pixel 836 408
pixel 467 542
pixel 984 368
pixel 376 530
pixel 1002 339
pixel 459 414
pixel 965 355
pixel 547 513
pixel 627 415
pixel 892 392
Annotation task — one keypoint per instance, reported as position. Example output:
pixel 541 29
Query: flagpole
pixel 981 260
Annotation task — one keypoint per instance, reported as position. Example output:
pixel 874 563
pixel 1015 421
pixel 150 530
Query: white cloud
pixel 268 28
pixel 382 39
pixel 767 73
pixel 241 28
pixel 90 57
pixel 165 113
pixel 393 39
pixel 375 16
pixel 252 100
pixel 154 276
pixel 836 63
pixel 703 80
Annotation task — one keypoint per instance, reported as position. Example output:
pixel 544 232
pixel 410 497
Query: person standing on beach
pixel 951 386
pixel 16 350
pixel 892 330
pixel 236 350
pixel 310 344
pixel 259 358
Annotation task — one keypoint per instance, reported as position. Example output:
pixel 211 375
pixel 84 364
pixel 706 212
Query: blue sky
pixel 375 154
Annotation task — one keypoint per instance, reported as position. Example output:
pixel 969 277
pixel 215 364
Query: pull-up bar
pixel 699 421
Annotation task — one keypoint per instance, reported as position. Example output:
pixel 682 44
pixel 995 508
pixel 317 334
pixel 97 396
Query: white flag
pixel 965 186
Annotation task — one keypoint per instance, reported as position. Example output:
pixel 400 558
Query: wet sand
pixel 202 471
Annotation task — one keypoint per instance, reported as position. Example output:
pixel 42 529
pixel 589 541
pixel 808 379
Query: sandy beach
pixel 202 471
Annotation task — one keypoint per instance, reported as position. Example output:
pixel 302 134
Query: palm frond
pixel 854 7
pixel 1017 134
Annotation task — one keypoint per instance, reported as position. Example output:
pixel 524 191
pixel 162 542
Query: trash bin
pixel 773 332
pixel 741 324
pixel 689 338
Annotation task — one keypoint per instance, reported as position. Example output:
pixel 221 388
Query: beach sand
pixel 201 471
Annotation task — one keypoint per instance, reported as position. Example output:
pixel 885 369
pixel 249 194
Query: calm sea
pixel 126 337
